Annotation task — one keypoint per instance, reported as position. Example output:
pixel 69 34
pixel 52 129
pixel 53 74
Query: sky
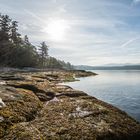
pixel 83 32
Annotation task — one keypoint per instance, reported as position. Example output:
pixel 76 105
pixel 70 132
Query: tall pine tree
pixel 5 44
pixel 43 53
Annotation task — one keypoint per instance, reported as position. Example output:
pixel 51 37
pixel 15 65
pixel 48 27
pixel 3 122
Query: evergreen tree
pixel 15 36
pixel 18 52
pixel 53 63
pixel 43 53
pixel 26 41
pixel 5 44
pixel 5 28
pixel 25 55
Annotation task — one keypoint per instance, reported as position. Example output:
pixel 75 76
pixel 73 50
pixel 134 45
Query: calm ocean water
pixel 120 88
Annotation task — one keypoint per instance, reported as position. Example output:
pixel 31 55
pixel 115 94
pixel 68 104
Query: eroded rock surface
pixel 35 107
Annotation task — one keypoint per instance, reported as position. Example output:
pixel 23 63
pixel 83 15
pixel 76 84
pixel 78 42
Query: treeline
pixel 18 51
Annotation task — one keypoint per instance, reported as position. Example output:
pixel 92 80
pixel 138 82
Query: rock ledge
pixel 34 106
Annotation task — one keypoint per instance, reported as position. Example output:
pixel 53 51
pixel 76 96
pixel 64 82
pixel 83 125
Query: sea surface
pixel 120 88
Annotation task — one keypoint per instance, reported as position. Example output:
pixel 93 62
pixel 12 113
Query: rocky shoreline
pixel 34 106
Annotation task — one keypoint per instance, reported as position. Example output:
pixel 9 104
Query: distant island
pixel 125 67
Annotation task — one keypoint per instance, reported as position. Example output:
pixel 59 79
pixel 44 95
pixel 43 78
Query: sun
pixel 56 29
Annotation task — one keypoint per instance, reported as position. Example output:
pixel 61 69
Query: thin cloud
pixel 129 42
pixel 34 15
pixel 99 33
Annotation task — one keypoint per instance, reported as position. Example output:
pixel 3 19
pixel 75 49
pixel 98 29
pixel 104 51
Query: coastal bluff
pixel 35 106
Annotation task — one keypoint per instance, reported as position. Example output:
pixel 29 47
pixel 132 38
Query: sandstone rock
pixel 40 89
pixel 11 77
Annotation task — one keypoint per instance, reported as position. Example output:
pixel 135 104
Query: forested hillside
pixel 18 51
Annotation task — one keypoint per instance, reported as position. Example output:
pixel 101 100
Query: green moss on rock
pixel 20 109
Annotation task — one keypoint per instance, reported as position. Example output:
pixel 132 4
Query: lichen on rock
pixel 38 108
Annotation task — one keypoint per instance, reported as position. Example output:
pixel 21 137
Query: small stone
pixel 2 104
pixel 2 82
pixel 1 119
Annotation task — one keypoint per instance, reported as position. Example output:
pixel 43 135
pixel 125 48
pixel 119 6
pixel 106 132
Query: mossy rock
pixel 69 114
pixel 23 108
pixel 23 131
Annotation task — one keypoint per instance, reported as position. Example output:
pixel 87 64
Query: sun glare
pixel 56 29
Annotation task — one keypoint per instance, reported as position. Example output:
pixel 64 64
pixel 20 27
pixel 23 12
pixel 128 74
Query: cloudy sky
pixel 91 32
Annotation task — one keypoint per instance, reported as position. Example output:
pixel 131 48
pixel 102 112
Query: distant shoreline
pixel 125 67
